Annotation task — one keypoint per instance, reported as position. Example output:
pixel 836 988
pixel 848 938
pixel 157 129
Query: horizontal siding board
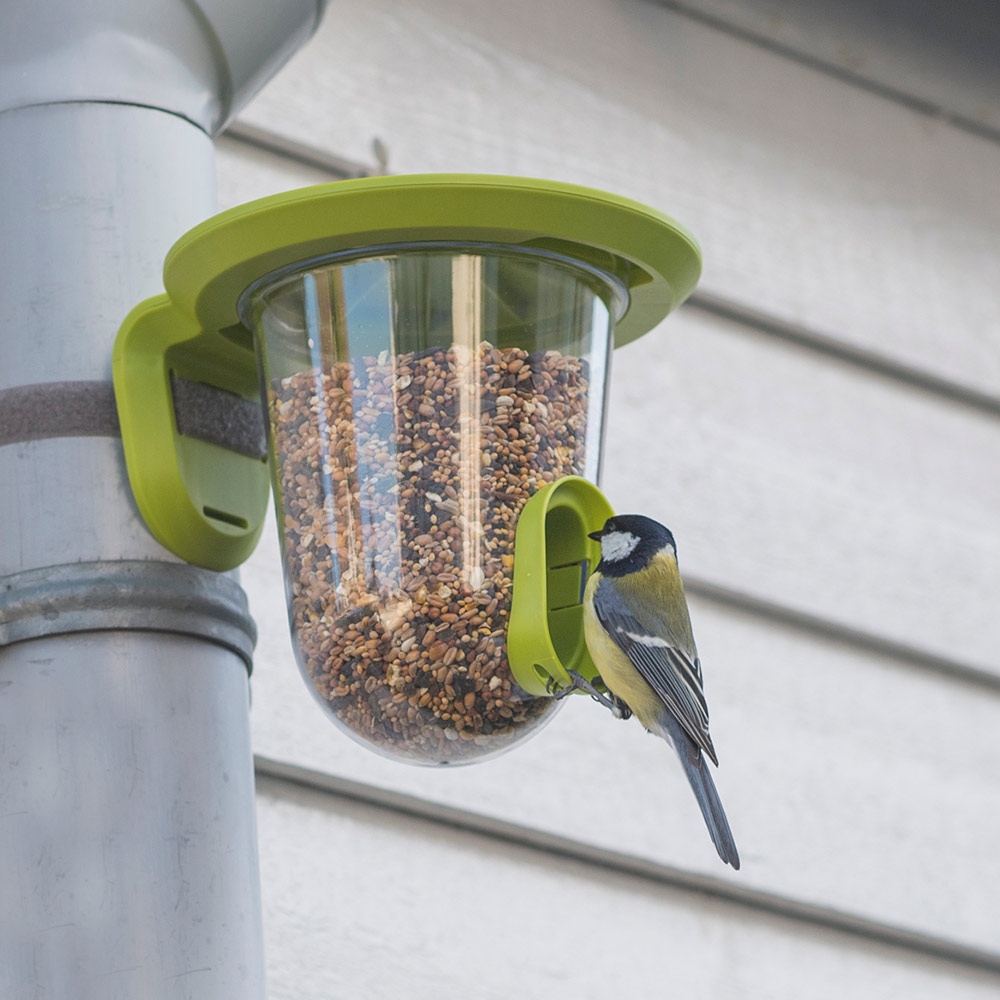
pixel 938 57
pixel 355 895
pixel 245 173
pixel 603 859
pixel 817 202
pixel 843 773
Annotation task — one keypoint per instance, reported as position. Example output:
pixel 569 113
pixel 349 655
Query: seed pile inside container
pixel 402 478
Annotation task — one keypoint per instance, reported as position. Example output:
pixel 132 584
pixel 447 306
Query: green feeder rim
pixel 554 556
pixel 653 257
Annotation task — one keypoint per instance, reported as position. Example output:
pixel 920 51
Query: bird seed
pixel 401 479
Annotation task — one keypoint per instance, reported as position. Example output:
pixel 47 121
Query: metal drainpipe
pixel 128 854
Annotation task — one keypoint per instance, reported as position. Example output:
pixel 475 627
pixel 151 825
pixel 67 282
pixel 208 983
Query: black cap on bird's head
pixel 629 541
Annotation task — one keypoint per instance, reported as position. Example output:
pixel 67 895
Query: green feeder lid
pixel 653 257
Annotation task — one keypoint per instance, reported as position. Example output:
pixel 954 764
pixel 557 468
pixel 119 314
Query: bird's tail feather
pixel 698 774
pixel 711 808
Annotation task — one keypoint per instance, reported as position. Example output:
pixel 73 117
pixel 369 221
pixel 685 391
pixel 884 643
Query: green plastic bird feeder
pixel 432 356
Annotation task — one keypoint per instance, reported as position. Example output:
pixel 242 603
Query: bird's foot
pixel 624 712
pixel 557 693
pixel 615 705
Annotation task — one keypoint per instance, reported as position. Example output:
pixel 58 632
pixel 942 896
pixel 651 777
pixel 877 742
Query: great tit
pixel 638 632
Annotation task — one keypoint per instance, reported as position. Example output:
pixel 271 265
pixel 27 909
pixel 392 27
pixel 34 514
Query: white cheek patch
pixel 618 545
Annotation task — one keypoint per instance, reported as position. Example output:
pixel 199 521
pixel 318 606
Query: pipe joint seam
pixel 129 594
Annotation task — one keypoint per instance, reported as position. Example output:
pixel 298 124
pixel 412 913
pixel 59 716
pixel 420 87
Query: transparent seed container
pixel 417 396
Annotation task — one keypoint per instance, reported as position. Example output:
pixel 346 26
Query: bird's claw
pixel 557 693
pixel 615 705
pixel 622 711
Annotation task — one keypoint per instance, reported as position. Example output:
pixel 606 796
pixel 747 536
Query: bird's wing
pixel 669 670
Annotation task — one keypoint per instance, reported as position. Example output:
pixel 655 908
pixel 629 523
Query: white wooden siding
pixel 362 901
pixel 836 517
pixel 938 57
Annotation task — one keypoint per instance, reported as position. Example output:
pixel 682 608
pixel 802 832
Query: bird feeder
pixel 432 355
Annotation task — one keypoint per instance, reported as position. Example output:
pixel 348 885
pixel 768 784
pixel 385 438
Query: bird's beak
pixel 596 535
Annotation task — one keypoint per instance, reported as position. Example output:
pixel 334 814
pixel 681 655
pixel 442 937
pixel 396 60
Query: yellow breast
pixel 615 668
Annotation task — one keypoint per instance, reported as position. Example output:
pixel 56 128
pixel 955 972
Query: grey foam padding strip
pixel 219 417
pixel 58 409
pixel 87 409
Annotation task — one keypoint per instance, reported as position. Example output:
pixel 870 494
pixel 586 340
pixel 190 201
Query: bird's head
pixel 629 541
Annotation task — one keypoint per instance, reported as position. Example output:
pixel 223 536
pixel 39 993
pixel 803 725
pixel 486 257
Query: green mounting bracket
pixel 553 557
pixel 203 502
